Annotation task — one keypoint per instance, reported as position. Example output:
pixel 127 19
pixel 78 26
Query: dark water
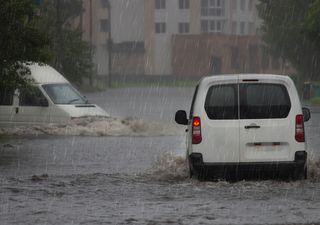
pixel 141 180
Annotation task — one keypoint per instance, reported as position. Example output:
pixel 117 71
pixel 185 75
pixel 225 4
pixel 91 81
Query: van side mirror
pixel 44 102
pixel 181 117
pixel 306 114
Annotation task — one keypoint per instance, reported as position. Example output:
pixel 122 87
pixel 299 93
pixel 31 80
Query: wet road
pixel 140 180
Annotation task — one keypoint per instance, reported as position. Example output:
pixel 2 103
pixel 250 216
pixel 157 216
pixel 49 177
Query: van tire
pixel 191 173
pixel 300 173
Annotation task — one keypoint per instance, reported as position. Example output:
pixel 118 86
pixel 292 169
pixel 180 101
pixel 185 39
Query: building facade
pixel 166 18
pixel 116 27
pixel 155 37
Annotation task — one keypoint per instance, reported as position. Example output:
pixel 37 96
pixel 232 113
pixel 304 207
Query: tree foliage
pixel 71 55
pixel 21 42
pixel 312 23
pixel 286 34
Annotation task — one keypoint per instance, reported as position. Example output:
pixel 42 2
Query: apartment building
pixel 145 34
pixel 120 22
pixel 166 18
pixel 163 18
pixel 95 25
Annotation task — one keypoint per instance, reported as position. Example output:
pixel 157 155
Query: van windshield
pixel 64 94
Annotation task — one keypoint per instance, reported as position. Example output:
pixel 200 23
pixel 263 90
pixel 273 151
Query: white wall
pixel 172 16
pixel 127 20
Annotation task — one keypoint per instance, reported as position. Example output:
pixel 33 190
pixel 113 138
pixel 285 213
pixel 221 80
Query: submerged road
pixel 141 180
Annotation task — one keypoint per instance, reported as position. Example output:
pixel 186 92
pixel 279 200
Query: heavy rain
pixel 124 112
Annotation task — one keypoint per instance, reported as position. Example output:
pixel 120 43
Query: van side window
pixel 264 101
pixel 193 100
pixel 31 96
pixel 222 102
pixel 6 96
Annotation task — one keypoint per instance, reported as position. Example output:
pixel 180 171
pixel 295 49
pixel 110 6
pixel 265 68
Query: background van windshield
pixel 263 101
pixel 63 94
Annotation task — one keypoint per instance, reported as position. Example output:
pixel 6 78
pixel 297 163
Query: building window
pixel 212 7
pixel 219 26
pixel 104 25
pixel 160 27
pixel 183 28
pixel 184 4
pixel 234 27
pixel 160 4
pixel 242 28
pixel 212 26
pixel 104 3
pixel 204 26
pixel 242 5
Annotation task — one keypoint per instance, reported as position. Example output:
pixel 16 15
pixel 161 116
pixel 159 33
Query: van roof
pixel 45 74
pixel 230 77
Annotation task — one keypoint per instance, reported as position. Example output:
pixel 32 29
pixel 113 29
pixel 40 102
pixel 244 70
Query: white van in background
pixel 52 99
pixel 246 123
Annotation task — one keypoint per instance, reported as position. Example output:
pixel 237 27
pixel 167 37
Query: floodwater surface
pixel 141 176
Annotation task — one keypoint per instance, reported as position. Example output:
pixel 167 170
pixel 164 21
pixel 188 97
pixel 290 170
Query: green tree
pixel 312 23
pixel 21 42
pixel 71 55
pixel 284 32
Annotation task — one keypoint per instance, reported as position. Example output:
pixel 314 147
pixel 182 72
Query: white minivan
pixel 246 124
pixel 52 99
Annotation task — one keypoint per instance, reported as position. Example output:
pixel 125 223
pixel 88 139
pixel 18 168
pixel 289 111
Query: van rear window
pixel 257 101
pixel 222 102
pixel 264 101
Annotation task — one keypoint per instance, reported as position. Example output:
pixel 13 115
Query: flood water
pixel 141 179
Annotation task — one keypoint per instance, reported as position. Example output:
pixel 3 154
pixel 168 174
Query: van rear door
pixel 220 126
pixel 266 127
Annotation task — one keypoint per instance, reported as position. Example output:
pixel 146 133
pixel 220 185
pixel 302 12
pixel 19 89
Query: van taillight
pixel 196 130
pixel 299 128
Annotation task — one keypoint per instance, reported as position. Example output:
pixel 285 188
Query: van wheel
pixel 300 173
pixel 191 173
pixel 202 175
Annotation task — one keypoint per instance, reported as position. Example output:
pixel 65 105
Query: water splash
pixel 314 170
pixel 170 167
pixel 98 126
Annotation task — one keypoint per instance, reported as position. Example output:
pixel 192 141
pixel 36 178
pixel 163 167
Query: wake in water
pixel 98 126
pixel 170 167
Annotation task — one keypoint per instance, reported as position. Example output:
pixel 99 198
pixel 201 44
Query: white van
pixel 52 99
pixel 246 123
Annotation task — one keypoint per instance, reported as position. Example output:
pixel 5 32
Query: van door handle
pixel 252 126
